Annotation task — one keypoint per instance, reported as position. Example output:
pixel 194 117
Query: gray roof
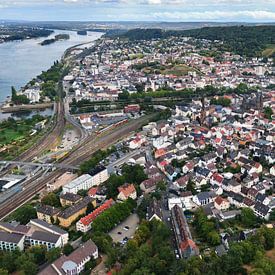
pixel 205 195
pixel 10 237
pixel 52 227
pixel 75 208
pixel 45 236
pixel 70 197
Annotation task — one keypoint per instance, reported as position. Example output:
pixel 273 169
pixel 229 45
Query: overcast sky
pixel 140 10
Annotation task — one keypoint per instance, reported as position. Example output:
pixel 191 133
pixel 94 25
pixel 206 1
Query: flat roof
pixel 78 181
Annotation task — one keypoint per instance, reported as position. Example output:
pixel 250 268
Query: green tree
pixel 53 254
pixel 268 112
pixel 24 214
pixel 247 217
pixel 51 199
pixel 67 249
pixel 3 271
pixel 37 253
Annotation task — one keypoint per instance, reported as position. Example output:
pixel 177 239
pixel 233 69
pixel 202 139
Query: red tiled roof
pixel 219 200
pixel 92 216
pixel 217 177
pixel 127 189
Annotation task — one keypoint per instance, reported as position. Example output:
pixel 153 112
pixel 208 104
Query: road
pixel 78 155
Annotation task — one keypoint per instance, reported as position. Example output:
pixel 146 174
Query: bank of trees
pixel 113 216
pixel 130 174
pixel 97 157
pixel 18 99
pixel 206 228
pixel 223 101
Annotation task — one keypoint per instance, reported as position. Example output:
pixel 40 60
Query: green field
pixel 269 51
pixel 12 131
pixel 178 70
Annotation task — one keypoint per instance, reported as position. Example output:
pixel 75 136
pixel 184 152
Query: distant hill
pixel 243 40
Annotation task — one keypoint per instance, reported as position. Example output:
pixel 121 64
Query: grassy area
pixel 16 136
pixel 178 70
pixel 269 51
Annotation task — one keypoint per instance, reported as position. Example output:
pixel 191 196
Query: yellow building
pixel 69 215
pixel 47 213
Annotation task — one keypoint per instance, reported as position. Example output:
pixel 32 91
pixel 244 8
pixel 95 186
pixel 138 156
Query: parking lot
pixel 120 232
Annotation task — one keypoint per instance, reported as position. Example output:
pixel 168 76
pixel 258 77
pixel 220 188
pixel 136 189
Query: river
pixel 21 61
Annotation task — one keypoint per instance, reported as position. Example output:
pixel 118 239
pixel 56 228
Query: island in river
pixel 58 37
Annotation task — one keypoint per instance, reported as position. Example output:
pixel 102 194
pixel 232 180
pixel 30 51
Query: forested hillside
pixel 243 40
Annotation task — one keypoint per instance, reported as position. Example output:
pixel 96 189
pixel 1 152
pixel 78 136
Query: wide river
pixel 21 61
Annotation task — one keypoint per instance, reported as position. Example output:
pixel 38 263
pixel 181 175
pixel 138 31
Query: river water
pixel 21 61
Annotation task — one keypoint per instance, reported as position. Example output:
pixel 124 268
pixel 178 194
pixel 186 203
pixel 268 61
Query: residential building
pixel 67 199
pixel 47 213
pixel 70 214
pixel 11 241
pixel 40 225
pixel 74 263
pixel 127 191
pixel 49 240
pixel 85 223
pixel 186 246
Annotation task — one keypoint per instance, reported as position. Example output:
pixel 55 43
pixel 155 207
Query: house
pixel 217 179
pixel 261 210
pixel 74 263
pixel 149 185
pixel 170 172
pixel 11 241
pixel 154 211
pixel 186 246
pixel 137 142
pixel 203 172
pixel 85 223
pixel 70 214
pixel 187 200
pixel 68 199
pixel 188 167
pixel 221 203
pixel 127 191
pixel 231 185
pixel 203 198
pixel 182 181
pixel 252 193
pixel 47 213
pixel 236 199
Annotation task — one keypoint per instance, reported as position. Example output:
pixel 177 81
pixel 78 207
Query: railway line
pixel 48 140
pixel 75 157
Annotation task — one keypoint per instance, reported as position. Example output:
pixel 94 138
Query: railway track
pixel 80 154
pixel 48 140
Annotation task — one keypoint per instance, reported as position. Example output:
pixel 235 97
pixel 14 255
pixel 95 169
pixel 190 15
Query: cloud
pixel 215 15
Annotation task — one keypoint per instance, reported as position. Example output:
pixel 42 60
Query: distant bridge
pixel 42 165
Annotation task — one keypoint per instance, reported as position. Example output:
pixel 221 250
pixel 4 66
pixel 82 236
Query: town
pixel 193 184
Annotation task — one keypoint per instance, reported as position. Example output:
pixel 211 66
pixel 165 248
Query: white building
pixel 97 176
pixel 11 241
pixel 44 238
pixel 50 228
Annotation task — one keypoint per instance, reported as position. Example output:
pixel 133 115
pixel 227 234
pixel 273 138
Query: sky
pixel 139 10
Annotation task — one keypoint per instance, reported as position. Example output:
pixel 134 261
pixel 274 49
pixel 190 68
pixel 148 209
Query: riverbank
pixel 27 107
pixel 21 61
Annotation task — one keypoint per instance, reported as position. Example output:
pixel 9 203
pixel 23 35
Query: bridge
pixel 42 165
